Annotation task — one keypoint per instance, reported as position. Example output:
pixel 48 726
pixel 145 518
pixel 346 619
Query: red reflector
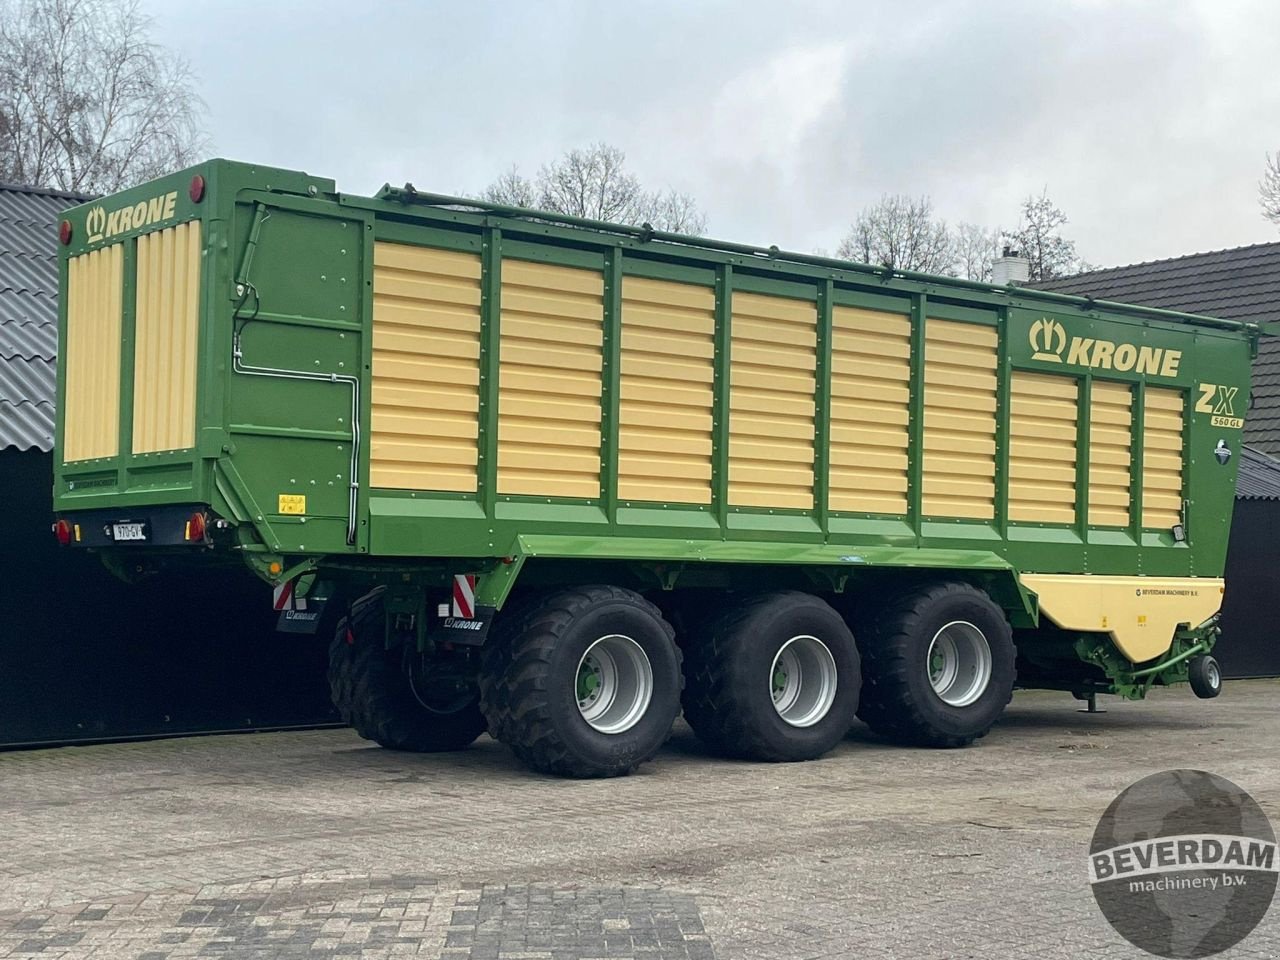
pixel 195 527
pixel 196 190
pixel 62 530
pixel 64 232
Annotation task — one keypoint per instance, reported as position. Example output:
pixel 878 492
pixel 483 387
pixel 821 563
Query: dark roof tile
pixel 1259 477
pixel 29 312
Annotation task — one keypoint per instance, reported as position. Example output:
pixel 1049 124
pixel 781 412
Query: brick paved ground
pixel 310 845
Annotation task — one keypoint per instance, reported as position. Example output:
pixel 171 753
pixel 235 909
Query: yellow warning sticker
pixel 293 503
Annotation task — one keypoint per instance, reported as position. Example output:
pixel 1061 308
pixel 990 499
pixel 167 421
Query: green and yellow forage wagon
pixel 561 479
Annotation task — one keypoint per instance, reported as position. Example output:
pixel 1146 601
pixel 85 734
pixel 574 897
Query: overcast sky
pixel 1147 122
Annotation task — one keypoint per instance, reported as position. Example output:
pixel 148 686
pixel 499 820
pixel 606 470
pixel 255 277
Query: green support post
pixel 610 384
pixel 915 422
pixel 822 411
pixel 490 330
pixel 720 410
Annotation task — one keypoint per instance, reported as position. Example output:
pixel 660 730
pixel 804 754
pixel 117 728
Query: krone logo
pixel 99 224
pixel 1048 340
pixel 1050 343
pixel 95 223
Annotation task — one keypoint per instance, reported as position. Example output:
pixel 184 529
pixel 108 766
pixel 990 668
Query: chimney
pixel 1009 269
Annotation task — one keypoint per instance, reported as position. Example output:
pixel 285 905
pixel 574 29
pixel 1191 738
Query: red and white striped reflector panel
pixel 464 596
pixel 282 597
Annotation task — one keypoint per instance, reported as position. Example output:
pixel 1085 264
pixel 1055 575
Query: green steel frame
pixel 288 274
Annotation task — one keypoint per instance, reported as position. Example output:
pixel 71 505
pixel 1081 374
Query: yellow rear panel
pixel 870 407
pixel 549 386
pixel 771 401
pixel 426 368
pixel 91 416
pixel 1110 439
pixel 668 368
pixel 959 419
pixel 1162 458
pixel 167 329
pixel 1042 448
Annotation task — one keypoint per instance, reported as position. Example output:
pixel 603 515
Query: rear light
pixel 64 232
pixel 62 530
pixel 196 190
pixel 196 527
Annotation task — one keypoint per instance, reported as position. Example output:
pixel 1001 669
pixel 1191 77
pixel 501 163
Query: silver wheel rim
pixel 614 684
pixel 1215 678
pixel 802 681
pixel 959 663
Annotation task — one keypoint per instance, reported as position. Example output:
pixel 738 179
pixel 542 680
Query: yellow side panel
pixel 426 368
pixel 870 408
pixel 1140 613
pixel 91 419
pixel 549 382
pixel 1042 448
pixel 1162 458
pixel 959 419
pixel 167 329
pixel 771 401
pixel 668 367
pixel 1110 439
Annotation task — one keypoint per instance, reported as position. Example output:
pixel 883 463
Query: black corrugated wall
pixel 85 656
pixel 1250 644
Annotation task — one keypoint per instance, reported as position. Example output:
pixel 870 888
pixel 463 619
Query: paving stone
pixel 316 844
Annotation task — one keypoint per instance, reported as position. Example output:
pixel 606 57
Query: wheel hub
pixel 614 684
pixel 803 681
pixel 959 663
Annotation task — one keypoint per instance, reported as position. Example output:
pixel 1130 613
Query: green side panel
pixel 285 375
pixel 748 551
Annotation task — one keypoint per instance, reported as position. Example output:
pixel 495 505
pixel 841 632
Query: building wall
pixel 85 656
pixel 1250 644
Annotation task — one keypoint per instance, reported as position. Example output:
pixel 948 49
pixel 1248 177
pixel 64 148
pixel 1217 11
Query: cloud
pixel 1146 122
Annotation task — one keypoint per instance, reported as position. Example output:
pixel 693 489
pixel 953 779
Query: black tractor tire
pixel 730 676
pixel 899 701
pixel 1205 676
pixel 529 681
pixel 375 694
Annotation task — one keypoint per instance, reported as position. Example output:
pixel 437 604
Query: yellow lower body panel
pixel 1140 613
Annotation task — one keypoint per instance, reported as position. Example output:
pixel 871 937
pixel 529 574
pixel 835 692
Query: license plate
pixel 128 531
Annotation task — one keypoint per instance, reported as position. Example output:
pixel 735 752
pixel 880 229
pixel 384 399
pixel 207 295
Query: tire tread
pixel 888 705
pixel 516 668
pixel 362 684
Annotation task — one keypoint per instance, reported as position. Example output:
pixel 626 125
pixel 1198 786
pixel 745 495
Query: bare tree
pixel 976 248
pixel 594 183
pixel 87 102
pixel 1269 189
pixel 677 213
pixel 899 232
pixel 511 190
pixel 1038 239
